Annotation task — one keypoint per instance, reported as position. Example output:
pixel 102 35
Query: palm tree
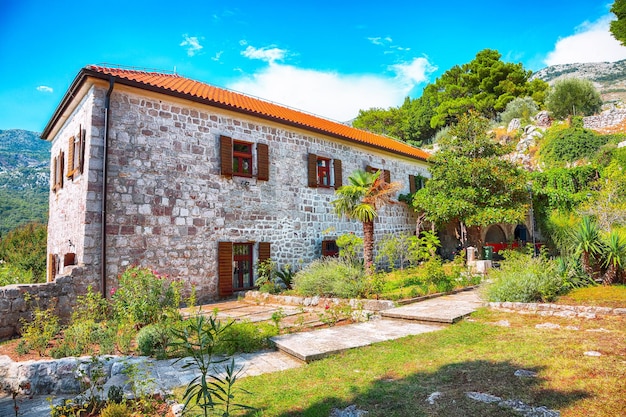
pixel 588 243
pixel 614 256
pixel 360 200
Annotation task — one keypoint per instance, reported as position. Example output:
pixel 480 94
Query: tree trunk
pixel 368 246
pixel 585 262
pixel 609 275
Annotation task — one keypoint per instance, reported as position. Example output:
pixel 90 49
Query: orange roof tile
pixel 175 84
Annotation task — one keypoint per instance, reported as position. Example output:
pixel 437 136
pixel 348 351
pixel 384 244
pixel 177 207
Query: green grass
pixel 604 296
pixel 395 378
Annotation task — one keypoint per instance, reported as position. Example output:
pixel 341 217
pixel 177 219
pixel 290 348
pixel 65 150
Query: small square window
pixel 323 172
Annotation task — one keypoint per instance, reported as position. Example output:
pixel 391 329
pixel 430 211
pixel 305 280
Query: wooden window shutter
pixel 52 268
pixel 225 268
pixel 226 154
pixel 263 161
pixel 55 167
pixel 312 170
pixel 412 187
pixel 387 175
pixel 370 169
pixel 81 161
pixel 70 157
pixel 264 251
pixel 61 168
pixel 338 173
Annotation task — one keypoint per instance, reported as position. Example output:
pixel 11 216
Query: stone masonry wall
pixel 169 205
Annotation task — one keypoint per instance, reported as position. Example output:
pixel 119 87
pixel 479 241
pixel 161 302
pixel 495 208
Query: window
pixel 237 158
pixel 242 266
pixel 320 169
pixel 330 248
pixel 242 158
pixel 416 183
pixel 385 175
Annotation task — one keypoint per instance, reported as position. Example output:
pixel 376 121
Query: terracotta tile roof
pixel 177 85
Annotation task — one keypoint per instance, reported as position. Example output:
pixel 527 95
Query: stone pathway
pixel 305 346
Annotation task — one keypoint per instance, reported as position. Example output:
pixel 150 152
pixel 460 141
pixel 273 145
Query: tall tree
pixel 618 27
pixel 471 183
pixel 360 200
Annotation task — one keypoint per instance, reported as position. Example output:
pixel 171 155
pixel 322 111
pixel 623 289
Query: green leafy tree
pixel 361 200
pixel 571 97
pixel 618 27
pixel 471 183
pixel 25 248
pixel 519 108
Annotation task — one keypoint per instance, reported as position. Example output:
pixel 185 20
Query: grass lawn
pixel 476 355
pixel 604 296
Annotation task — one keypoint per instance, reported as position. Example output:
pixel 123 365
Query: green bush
pixel 524 278
pixel 519 108
pixel 153 340
pixel 38 332
pixel 571 97
pixel 11 274
pixel 331 277
pixel 570 144
pixel 143 296
pixel 116 410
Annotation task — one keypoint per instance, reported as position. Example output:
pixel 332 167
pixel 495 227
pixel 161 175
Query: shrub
pixel 524 278
pixel 573 96
pixel 570 144
pixel 332 277
pixel 519 108
pixel 153 340
pixel 116 410
pixel 246 337
pixel 350 248
pixel 41 330
pixel 11 274
pixel 142 296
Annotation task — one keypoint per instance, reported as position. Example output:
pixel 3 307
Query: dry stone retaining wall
pixel 559 310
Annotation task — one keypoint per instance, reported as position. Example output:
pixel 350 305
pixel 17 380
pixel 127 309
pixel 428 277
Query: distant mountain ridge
pixel 609 78
pixel 24 178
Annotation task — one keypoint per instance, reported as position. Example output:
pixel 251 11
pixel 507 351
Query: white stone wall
pixel 169 205
pixel 74 210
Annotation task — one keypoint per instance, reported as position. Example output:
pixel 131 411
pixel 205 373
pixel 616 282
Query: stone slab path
pixel 445 309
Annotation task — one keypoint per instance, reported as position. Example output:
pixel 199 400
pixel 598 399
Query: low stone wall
pixel 605 119
pixel 559 310
pixel 18 301
pixel 357 304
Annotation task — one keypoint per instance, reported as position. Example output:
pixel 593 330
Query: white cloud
pixel 330 94
pixel 45 89
pixel 592 42
pixel 267 53
pixel 217 56
pixel 192 44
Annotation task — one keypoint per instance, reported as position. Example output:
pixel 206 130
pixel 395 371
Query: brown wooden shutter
pixel 387 175
pixel 412 187
pixel 55 168
pixel 225 268
pixel 264 251
pixel 226 154
pixel 263 161
pixel 70 157
pixel 81 152
pixel 312 170
pixel 370 169
pixel 61 168
pixel 338 173
pixel 52 268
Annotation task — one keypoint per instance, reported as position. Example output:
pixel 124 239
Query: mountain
pixel 609 78
pixel 24 178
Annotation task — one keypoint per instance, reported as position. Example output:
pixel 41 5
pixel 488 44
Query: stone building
pixel 200 183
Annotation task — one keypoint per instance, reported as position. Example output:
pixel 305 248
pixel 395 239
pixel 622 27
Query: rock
pixel 524 373
pixel 514 125
pixel 548 326
pixel 432 397
pixel 483 398
pixel 350 411
pixel 542 119
pixel 592 353
pixel 502 323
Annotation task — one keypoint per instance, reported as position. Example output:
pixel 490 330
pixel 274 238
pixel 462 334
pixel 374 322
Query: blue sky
pixel 330 58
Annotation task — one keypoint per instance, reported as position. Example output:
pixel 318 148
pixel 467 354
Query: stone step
pixel 447 309
pixel 317 344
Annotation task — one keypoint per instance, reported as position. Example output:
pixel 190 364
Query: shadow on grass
pixel 408 396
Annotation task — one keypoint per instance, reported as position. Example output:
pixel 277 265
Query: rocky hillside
pixel 24 173
pixel 608 77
